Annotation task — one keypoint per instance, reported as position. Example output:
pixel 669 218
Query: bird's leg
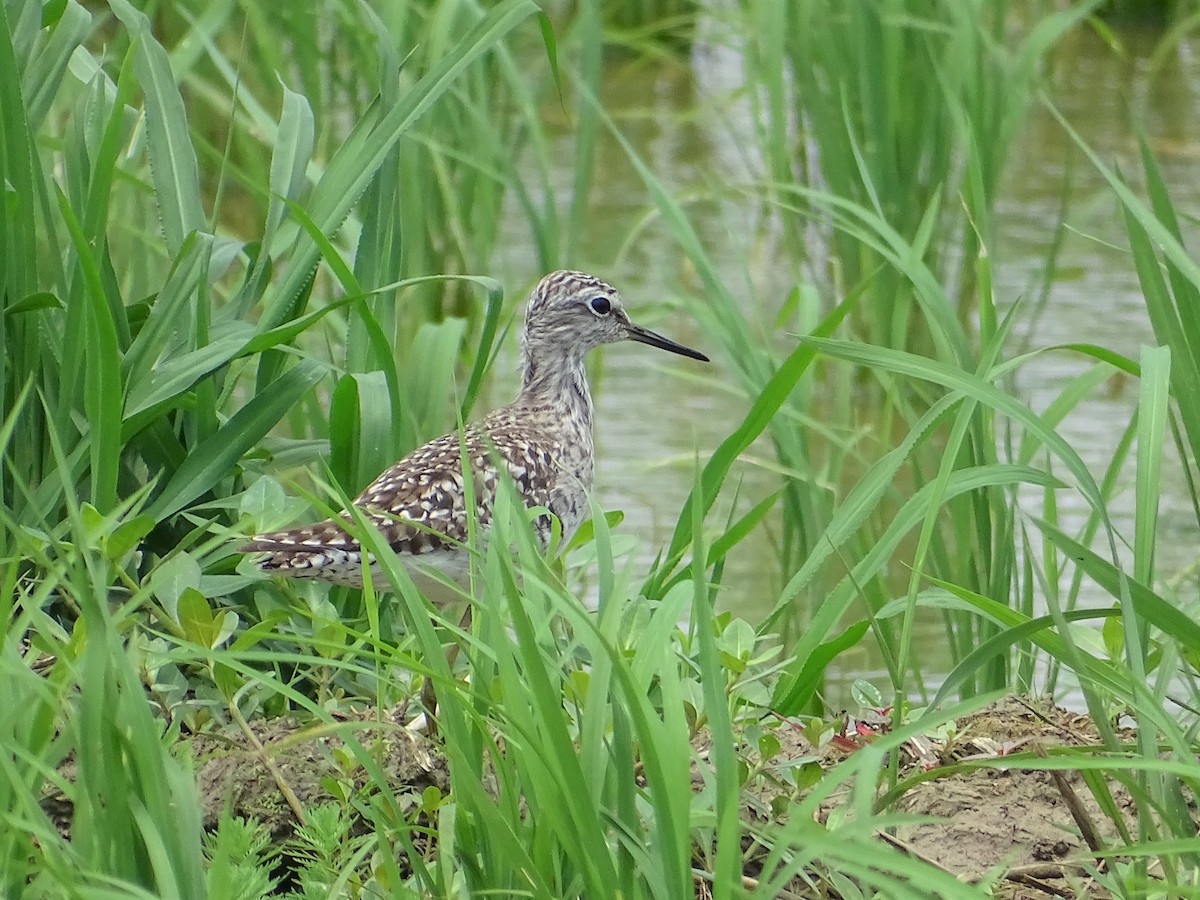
pixel 428 692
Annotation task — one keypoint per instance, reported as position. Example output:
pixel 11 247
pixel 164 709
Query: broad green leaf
pixel 126 536
pixel 865 694
pixel 375 439
pixel 195 617
pixel 737 643
pixel 345 424
pixel 264 502
pixel 170 580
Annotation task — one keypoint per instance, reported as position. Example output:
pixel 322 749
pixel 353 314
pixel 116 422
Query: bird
pixel 542 441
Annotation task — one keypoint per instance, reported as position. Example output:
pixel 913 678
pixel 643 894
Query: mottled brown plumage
pixel 543 440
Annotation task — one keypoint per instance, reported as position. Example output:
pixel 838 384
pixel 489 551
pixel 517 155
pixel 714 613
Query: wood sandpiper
pixel 543 440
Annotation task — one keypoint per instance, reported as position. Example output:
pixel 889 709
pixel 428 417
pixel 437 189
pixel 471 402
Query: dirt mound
pixel 287 766
pixel 1027 833
pixel 1035 826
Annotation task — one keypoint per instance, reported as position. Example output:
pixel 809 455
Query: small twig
pixel 1066 733
pixel 1050 869
pixel 912 851
pixel 1086 829
pixel 1084 822
pixel 1037 884
pixel 750 884
pixel 1078 813
pixel 265 758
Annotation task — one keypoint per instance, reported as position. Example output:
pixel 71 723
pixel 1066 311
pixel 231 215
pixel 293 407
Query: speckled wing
pixel 418 504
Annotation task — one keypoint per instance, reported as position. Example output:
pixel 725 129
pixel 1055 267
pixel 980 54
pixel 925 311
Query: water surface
pixel 656 413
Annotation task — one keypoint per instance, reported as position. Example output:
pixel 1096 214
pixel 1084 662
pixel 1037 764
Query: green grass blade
pixel 1145 602
pixel 216 457
pixel 798 685
pixel 911 514
pixel 292 151
pixel 102 382
pixel 712 680
pixel 169 325
pixel 956 379
pixel 148 397
pixel 43 77
pixel 359 158
pixel 1153 410
pixel 18 234
pixel 173 162
pixel 758 419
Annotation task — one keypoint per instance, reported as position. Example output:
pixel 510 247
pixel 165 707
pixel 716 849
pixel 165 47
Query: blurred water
pixel 655 417
pixel 1096 298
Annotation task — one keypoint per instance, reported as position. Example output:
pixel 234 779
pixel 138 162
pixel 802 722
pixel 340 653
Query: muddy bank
pixel 1027 834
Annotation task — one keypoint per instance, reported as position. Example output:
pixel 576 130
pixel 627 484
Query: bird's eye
pixel 601 306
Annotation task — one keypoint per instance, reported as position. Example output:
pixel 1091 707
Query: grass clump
pixel 222 220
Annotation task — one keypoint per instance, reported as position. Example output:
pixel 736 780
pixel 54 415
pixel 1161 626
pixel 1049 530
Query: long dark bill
pixel 646 336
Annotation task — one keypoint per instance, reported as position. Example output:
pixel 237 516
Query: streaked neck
pixel 556 381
